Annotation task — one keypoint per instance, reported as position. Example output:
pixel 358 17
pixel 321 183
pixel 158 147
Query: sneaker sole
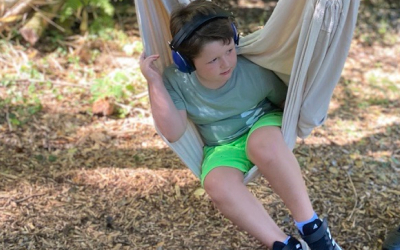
pixel 304 245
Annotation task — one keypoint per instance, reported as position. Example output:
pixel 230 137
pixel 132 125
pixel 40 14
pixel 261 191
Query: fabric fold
pixel 305 42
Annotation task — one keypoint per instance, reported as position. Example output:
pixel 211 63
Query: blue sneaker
pixel 318 237
pixel 392 241
pixel 293 244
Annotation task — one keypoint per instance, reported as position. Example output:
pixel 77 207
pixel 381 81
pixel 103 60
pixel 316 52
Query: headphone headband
pixel 189 27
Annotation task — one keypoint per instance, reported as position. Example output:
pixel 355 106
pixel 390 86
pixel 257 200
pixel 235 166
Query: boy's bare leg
pixel 267 149
pixel 225 187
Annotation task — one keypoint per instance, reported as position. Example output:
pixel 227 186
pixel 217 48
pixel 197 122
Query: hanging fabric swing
pixel 305 42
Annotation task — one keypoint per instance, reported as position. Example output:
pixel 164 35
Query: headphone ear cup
pixel 235 34
pixel 181 63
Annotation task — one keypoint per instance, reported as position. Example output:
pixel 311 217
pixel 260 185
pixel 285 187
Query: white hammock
pixel 305 42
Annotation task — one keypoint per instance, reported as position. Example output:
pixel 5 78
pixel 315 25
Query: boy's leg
pixel 267 149
pixel 225 187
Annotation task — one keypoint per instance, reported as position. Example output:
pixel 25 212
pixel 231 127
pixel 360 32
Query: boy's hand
pixel 149 70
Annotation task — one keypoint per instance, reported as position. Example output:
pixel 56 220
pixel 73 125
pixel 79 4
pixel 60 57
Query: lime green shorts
pixel 234 154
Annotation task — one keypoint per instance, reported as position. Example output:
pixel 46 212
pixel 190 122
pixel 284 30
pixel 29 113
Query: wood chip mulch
pixel 70 181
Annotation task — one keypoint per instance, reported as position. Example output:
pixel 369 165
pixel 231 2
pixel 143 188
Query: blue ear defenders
pixel 182 63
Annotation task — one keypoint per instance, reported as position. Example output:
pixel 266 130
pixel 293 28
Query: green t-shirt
pixel 224 114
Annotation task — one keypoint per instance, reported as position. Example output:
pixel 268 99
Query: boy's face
pixel 215 63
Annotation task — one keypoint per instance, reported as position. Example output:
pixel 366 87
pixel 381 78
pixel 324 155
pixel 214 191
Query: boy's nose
pixel 224 63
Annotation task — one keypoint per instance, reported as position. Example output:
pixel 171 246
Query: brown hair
pixel 219 29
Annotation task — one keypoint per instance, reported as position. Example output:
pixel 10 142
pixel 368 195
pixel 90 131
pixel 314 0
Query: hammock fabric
pixel 305 42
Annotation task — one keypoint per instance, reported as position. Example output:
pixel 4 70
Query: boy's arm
pixel 169 120
pixel 278 92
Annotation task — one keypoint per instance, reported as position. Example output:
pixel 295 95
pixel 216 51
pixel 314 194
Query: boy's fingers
pixel 141 58
pixel 152 57
pixel 147 61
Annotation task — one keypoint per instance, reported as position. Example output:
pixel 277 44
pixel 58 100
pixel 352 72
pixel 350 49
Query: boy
pixel 236 106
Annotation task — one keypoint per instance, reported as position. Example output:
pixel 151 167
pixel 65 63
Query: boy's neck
pixel 209 85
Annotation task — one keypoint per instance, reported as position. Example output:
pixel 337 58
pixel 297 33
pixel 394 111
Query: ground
pixel 72 180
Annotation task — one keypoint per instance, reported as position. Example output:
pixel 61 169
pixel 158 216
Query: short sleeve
pixel 172 86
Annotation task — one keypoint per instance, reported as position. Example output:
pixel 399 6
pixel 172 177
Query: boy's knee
pixel 218 188
pixel 214 187
pixel 263 144
pixel 259 149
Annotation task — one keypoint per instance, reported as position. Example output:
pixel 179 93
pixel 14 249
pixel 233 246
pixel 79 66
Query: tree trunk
pixel 34 28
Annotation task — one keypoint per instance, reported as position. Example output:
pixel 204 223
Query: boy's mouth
pixel 226 72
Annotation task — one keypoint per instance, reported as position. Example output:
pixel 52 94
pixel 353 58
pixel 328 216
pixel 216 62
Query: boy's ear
pixel 182 63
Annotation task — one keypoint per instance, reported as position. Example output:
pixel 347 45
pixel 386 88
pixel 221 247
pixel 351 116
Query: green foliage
pixel 102 25
pixel 22 108
pixel 116 85
pixel 19 103
pixel 130 49
pixel 378 22
pixel 72 7
pixel 99 13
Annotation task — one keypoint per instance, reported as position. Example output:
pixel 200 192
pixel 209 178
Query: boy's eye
pixel 213 60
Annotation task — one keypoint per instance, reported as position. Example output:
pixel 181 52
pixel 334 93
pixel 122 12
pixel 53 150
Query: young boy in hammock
pixel 236 105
